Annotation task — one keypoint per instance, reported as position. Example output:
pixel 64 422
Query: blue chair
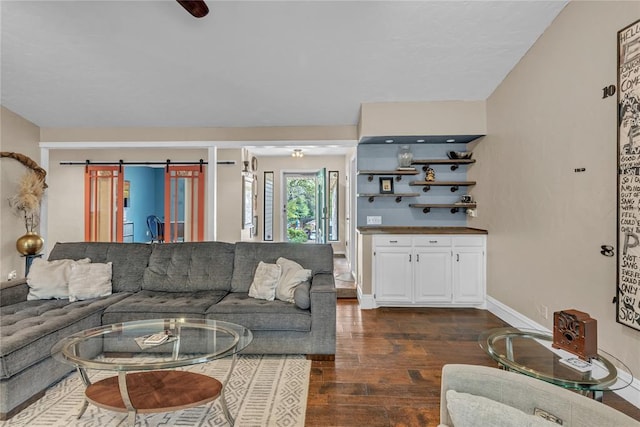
pixel 156 228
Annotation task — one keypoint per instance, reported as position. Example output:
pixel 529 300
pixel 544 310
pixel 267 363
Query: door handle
pixel 417 257
pixel 457 257
pixel 409 257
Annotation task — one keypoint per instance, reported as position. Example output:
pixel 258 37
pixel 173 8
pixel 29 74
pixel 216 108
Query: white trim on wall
pixel 515 319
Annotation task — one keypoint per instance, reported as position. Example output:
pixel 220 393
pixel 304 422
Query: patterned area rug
pixel 262 391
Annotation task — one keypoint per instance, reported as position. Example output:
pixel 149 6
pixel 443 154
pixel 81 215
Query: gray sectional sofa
pixel 208 280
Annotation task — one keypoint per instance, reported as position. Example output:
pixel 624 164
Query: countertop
pixel 419 230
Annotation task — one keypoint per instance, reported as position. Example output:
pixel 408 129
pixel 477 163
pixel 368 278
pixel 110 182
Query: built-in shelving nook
pixel 435 186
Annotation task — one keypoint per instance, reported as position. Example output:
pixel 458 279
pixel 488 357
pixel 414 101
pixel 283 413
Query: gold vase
pixel 29 244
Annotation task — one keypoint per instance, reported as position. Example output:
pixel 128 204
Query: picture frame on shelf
pixel 386 185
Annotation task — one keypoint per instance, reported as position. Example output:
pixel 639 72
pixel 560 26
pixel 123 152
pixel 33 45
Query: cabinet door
pixel 468 274
pixel 392 274
pixel 432 274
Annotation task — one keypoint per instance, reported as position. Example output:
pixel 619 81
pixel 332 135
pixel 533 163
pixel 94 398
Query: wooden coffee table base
pixel 155 391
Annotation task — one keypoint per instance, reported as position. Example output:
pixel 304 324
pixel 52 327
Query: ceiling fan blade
pixel 197 8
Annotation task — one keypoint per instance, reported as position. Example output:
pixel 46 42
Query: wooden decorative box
pixel 576 332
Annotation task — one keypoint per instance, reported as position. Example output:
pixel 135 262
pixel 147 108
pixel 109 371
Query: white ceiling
pixel 253 63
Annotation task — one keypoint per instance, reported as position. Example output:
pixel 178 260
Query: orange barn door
pixel 104 203
pixel 184 203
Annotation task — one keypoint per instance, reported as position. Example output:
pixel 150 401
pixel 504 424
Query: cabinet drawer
pixel 432 240
pixel 391 240
pixel 469 240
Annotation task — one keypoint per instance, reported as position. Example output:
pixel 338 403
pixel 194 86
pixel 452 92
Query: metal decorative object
pixel 576 332
pixel 430 175
pixel 29 244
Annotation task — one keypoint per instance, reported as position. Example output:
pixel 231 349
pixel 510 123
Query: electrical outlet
pixel 543 311
pixel 473 213
pixel 12 275
pixel 374 220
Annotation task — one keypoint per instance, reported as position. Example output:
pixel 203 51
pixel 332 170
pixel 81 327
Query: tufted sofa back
pixel 129 260
pixel 189 267
pixel 316 257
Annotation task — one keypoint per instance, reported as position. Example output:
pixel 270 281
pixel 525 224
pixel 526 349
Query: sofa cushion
pixel 89 281
pixel 301 296
pixel 129 260
pixel 469 410
pixel 50 279
pixel 155 304
pixel 29 329
pixel 190 267
pixel 292 275
pixel 316 257
pixel 265 281
pixel 260 315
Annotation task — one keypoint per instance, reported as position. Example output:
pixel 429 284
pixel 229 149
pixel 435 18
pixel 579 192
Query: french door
pixel 184 204
pixel 305 207
pixel 104 204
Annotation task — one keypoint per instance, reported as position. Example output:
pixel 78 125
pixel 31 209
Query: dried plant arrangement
pixel 26 202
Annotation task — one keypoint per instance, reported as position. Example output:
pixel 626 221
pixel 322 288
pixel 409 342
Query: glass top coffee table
pixel 529 352
pixel 143 354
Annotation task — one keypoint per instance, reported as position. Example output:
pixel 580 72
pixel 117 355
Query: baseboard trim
pixel 366 301
pixel 631 393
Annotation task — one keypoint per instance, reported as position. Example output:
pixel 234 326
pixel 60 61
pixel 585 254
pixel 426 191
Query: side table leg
pixel 509 348
pixel 122 383
pixel 87 383
pixel 223 399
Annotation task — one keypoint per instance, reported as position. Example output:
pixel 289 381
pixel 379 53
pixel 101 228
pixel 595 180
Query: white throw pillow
pixel 292 275
pixel 264 282
pixel 89 281
pixel 50 279
pixel 469 410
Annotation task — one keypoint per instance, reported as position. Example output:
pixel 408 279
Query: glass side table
pixel 529 352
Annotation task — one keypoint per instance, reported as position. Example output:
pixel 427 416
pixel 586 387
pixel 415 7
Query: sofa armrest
pixel 323 313
pixel 526 394
pixel 323 282
pixel 13 292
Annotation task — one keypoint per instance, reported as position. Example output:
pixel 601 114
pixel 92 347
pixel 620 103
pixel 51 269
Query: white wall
pixel 19 136
pixel 546 222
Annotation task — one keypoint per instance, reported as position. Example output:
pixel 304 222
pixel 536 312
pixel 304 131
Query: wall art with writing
pixel 628 288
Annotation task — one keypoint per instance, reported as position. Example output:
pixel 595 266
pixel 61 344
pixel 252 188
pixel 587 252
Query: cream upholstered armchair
pixel 482 396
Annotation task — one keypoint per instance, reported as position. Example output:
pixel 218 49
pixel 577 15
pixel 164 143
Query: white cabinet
pixel 432 274
pixel 429 270
pixel 393 272
pixel 468 274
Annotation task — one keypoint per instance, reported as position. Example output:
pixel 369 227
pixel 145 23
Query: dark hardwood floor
pixel 389 361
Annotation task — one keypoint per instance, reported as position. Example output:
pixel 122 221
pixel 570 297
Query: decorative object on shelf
pixel 26 203
pixel 246 166
pixel 459 155
pixel 405 156
pixel 386 185
pixel 430 175
pixel 576 332
pixel 254 164
pixel 466 198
